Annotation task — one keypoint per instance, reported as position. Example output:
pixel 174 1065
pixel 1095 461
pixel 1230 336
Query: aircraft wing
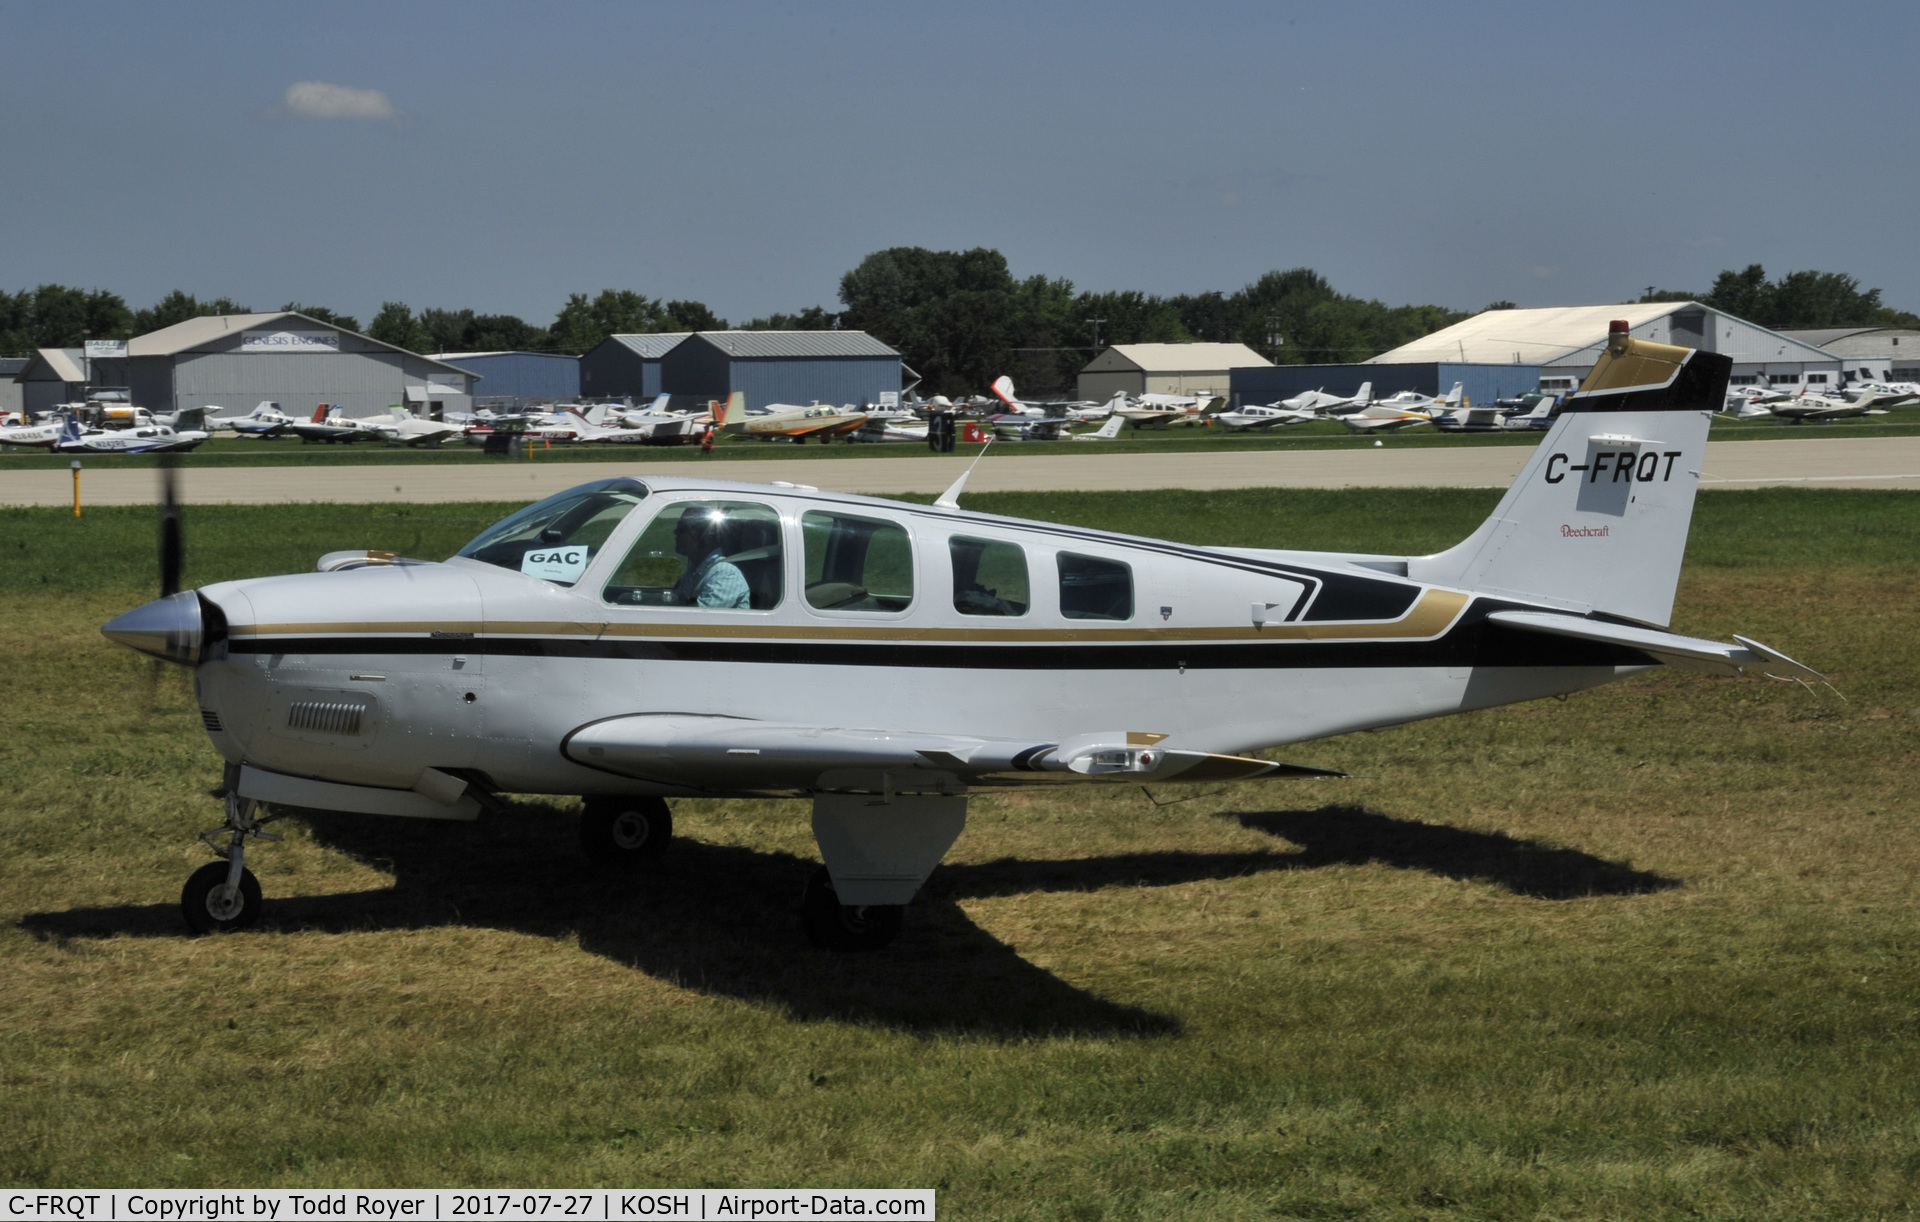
pixel 1670 647
pixel 732 754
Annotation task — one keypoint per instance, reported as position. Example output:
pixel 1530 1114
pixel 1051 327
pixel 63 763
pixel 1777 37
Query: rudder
pixel 1598 518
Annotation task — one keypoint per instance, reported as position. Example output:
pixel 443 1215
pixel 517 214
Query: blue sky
pixel 499 157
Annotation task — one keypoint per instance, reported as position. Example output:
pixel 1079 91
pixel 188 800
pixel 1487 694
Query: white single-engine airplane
pixel 636 639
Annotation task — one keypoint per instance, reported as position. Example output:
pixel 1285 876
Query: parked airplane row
pixel 1001 416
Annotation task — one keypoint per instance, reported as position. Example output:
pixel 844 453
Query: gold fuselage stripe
pixel 1429 617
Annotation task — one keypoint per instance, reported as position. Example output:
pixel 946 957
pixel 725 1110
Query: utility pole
pixel 1096 332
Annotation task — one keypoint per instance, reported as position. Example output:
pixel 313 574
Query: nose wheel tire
pixel 209 909
pixel 625 831
pixel 845 928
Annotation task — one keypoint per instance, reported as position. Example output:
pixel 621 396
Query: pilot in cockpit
pixel 703 536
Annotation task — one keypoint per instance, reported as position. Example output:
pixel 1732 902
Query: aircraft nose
pixel 171 629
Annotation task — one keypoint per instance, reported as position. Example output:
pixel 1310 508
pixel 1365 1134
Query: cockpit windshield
pixel 555 539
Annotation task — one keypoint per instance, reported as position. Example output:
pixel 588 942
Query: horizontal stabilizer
pixel 1671 648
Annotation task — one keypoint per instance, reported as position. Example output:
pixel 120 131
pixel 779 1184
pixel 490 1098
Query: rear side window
pixel 989 577
pixel 1092 588
pixel 856 564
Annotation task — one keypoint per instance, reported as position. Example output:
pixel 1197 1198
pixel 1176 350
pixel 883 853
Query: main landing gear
pixel 847 928
pixel 223 896
pixel 625 831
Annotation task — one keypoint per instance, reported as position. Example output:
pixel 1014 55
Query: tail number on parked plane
pixel 1630 465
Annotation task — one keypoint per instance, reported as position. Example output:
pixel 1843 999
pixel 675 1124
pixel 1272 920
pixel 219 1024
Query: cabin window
pixel 555 539
pixel 1091 588
pixel 720 555
pixel 856 564
pixel 989 577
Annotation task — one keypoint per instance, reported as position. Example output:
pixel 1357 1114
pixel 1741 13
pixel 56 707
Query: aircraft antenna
pixel 950 499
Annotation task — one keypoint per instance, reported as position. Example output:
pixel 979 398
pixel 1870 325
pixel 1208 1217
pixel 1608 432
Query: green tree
pixel 13 325
pixel 812 318
pixel 57 316
pixel 447 329
pixel 695 316
pixel 582 325
pixel 1796 300
pixel 178 307
pixel 1823 299
pixel 502 333
pixel 1742 294
pixel 345 322
pixel 953 315
pixel 396 325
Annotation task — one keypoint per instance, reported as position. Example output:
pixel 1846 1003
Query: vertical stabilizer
pixel 1597 520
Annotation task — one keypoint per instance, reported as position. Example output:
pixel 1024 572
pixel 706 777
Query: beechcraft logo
pixel 1166 613
pixel 1584 532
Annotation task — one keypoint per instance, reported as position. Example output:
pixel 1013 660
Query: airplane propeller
pixel 172 548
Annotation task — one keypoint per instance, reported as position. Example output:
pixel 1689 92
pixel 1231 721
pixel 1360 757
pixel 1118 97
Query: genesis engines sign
pixel 289 341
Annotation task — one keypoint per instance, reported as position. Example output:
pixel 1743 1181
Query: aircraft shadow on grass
pixel 721 919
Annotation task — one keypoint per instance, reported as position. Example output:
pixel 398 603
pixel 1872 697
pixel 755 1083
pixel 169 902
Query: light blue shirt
pixel 714 582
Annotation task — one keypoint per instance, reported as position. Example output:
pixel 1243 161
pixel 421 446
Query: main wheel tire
pixel 625 831
pixel 845 928
pixel 207 912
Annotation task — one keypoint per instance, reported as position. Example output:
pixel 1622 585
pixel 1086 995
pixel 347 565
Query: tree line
pixel 958 318
pixel 1796 301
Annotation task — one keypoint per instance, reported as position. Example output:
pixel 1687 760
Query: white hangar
pixel 1870 354
pixel 1566 341
pixel 1171 369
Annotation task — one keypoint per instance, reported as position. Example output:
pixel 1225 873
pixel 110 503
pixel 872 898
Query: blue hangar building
pixel 519 375
pixel 765 366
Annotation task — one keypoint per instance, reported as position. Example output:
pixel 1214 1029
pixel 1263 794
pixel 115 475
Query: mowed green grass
pixel 1648 952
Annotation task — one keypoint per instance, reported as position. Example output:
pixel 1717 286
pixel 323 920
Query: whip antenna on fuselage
pixel 950 499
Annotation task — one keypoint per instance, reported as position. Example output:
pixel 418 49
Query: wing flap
pixel 1694 653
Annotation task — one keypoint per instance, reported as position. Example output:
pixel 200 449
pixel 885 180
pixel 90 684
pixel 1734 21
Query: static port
pixel 469 697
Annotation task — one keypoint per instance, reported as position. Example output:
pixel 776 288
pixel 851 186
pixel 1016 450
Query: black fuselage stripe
pixel 1477 644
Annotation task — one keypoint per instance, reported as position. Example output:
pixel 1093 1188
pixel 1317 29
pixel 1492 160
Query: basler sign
pixel 289 341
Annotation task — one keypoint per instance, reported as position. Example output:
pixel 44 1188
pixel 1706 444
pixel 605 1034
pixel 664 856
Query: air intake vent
pixel 211 720
pixel 326 716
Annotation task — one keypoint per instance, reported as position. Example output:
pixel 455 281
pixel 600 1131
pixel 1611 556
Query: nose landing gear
pixel 221 897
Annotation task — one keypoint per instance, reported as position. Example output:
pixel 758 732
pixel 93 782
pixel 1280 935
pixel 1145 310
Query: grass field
pixel 228 451
pixel 1648 952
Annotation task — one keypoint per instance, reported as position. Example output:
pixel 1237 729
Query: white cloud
pixel 319 100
